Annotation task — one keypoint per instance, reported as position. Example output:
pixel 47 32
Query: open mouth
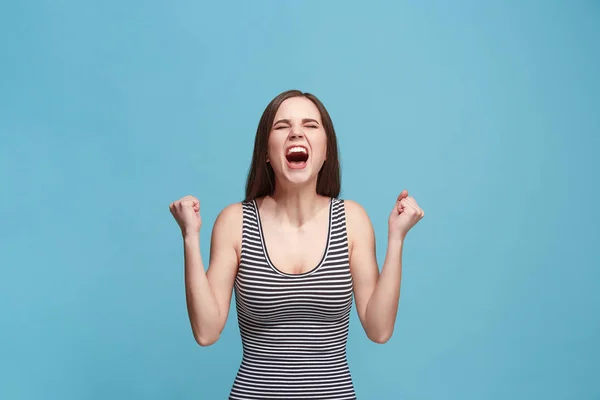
pixel 297 156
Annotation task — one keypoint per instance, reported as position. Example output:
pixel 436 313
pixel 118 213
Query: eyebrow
pixel 304 121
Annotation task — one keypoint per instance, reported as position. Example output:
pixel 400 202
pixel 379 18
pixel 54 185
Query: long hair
pixel 261 177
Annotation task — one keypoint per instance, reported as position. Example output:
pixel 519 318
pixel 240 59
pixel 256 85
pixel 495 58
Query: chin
pixel 299 175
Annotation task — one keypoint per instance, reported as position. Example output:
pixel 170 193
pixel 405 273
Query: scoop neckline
pixel 263 243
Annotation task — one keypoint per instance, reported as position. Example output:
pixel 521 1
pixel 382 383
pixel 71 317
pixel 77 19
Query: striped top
pixel 294 327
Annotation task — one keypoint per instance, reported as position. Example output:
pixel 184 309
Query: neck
pixel 298 205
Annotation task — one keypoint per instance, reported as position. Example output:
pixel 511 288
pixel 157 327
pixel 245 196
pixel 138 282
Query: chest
pixel 290 275
pixel 296 250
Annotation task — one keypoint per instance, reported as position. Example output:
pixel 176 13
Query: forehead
pixel 298 108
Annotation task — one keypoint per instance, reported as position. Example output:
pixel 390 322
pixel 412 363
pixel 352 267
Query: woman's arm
pixel 208 294
pixel 377 294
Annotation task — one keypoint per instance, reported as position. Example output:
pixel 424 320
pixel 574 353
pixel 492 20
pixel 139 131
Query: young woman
pixel 295 254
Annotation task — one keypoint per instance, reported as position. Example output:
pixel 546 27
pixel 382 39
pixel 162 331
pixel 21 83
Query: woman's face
pixel 297 143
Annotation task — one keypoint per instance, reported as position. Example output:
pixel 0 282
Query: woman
pixel 295 254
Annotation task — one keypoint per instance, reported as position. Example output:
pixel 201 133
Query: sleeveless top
pixel 294 327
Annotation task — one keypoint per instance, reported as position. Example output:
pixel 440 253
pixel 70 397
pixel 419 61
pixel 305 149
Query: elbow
pixel 206 340
pixel 381 337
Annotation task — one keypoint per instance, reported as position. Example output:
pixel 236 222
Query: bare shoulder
pixel 358 223
pixel 356 215
pixel 227 229
pixel 231 215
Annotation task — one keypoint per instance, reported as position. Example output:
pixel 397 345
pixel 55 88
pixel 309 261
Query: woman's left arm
pixel 377 294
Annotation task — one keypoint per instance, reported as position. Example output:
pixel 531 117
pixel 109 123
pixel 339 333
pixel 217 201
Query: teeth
pixel 296 150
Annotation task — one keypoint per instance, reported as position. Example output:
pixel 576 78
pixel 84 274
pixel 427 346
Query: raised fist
pixel 405 215
pixel 186 212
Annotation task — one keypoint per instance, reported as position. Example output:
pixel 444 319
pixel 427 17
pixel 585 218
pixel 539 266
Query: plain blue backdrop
pixel 487 113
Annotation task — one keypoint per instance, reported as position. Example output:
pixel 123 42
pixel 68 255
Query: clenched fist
pixel 405 215
pixel 186 212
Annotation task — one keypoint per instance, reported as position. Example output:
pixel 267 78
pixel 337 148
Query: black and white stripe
pixel 294 327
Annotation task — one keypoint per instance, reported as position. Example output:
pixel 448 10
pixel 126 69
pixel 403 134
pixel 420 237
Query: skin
pixel 294 214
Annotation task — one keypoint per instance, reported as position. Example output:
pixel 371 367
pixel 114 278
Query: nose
pixel 296 133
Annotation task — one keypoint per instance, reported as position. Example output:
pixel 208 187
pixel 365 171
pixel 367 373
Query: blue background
pixel 488 114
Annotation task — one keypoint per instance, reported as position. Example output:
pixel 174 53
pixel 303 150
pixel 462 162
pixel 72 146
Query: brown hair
pixel 261 178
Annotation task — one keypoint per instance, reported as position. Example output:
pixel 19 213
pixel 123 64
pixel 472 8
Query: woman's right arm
pixel 208 294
